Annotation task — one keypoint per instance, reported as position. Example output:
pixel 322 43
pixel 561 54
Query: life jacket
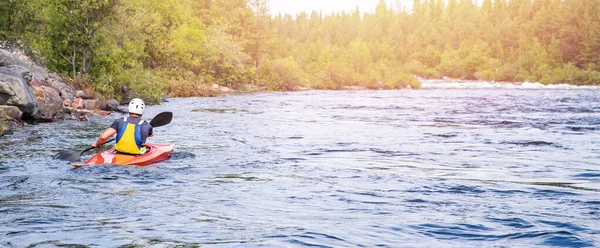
pixel 129 137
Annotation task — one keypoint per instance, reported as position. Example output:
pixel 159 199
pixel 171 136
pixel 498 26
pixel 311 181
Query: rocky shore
pixel 30 93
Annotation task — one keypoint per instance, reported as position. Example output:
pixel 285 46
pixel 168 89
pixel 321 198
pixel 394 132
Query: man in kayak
pixel 131 130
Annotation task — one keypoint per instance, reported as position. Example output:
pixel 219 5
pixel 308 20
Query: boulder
pixel 94 105
pixel 83 114
pixel 46 89
pixel 55 77
pixel 301 88
pixel 10 113
pixel 9 59
pixel 77 103
pixel 101 112
pixel 354 88
pixel 49 103
pixel 224 89
pixel 15 92
pixel 10 117
pixel 84 94
pixel 13 65
pixel 66 92
pixel 38 73
pixel 113 105
pixel 19 72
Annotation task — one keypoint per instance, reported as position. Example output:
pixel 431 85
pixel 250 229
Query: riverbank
pixel 30 93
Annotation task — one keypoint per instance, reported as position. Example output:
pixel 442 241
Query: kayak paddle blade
pixel 161 119
pixel 69 155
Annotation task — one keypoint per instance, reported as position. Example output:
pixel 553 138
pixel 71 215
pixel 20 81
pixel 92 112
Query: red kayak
pixel 155 153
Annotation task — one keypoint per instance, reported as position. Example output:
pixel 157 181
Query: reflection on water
pixel 428 168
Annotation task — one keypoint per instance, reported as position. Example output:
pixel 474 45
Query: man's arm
pixel 104 136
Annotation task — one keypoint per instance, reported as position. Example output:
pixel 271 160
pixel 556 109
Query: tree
pixel 21 17
pixel 261 39
pixel 73 30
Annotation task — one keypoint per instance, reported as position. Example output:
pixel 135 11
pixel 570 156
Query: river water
pixel 468 167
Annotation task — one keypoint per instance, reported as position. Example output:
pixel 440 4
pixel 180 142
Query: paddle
pixel 159 120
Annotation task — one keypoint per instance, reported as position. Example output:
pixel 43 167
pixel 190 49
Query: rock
pixel 30 91
pixel 94 105
pixel 354 88
pixel 15 92
pixel 224 89
pixel 66 92
pixel 113 105
pixel 81 94
pixel 49 103
pixel 18 72
pixel 37 83
pixel 7 126
pixel 85 94
pixel 77 103
pixel 301 88
pixel 10 113
pixel 38 73
pixel 46 89
pixel 215 86
pixel 55 77
pixel 101 112
pixel 84 114
pixel 17 62
pixel 9 59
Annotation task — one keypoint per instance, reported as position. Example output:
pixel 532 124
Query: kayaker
pixel 131 130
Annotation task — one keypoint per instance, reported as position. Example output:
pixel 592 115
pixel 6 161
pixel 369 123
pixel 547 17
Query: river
pixel 453 167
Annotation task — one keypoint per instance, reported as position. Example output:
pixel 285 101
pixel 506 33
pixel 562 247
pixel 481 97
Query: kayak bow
pixel 155 153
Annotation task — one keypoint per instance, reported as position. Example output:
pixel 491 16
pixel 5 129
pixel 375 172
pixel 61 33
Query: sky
pixel 328 6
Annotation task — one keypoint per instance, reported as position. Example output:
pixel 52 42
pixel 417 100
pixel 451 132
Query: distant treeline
pixel 183 47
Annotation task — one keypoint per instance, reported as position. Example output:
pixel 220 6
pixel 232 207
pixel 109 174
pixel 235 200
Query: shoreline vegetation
pixel 183 48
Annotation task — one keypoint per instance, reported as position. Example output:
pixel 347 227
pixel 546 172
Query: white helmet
pixel 137 106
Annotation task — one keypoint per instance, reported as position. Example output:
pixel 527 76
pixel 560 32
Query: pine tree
pixel 262 35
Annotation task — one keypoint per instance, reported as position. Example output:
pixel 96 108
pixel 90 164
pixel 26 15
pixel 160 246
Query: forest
pixel 181 48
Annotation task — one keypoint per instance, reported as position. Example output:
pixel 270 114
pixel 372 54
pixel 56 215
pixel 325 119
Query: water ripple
pixel 407 168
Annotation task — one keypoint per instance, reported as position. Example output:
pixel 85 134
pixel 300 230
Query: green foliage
pixel 570 74
pixel 143 83
pixel 184 47
pixel 283 74
pixel 224 62
pixel 416 68
pixel 450 65
pixel 487 75
pixel 3 127
pixel 72 32
pixel 401 81
pixel 22 19
pixel 189 87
